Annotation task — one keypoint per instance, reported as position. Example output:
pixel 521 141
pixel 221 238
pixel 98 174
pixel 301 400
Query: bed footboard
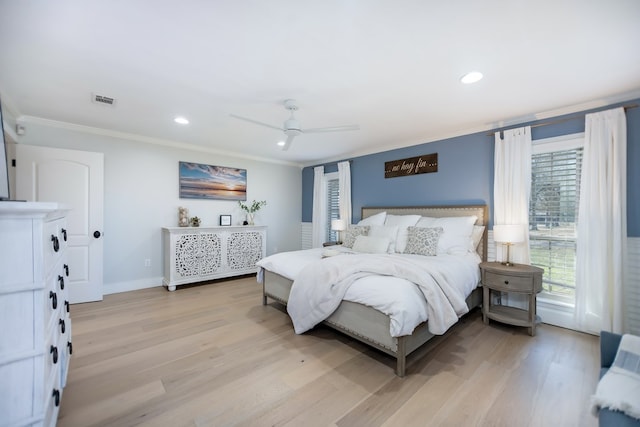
pixel 275 287
pixel 364 323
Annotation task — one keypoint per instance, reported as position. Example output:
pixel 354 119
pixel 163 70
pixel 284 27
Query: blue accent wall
pixel 465 171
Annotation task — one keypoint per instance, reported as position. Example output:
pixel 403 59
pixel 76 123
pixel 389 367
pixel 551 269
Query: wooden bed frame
pixel 369 325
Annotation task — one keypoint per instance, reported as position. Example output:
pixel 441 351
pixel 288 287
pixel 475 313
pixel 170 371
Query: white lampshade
pixel 338 225
pixel 508 233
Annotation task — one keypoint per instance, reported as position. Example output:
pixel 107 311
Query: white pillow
pixel 377 219
pixel 476 235
pixel 371 245
pixel 387 232
pixel 456 236
pixel 425 221
pixel 402 221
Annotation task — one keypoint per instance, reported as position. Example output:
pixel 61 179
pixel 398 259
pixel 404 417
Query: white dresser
pixel 196 254
pixel 35 342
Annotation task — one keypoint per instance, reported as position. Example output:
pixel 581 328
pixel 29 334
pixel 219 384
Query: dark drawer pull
pixel 64 234
pixel 61 282
pixel 54 299
pixel 54 353
pixel 70 347
pixel 56 243
pixel 506 282
pixel 66 304
pixel 62 325
pixel 56 397
pixel 66 270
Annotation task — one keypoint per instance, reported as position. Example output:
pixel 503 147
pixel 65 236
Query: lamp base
pixel 507 262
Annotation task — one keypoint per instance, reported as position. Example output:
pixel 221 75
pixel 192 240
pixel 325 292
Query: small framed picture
pixel 225 220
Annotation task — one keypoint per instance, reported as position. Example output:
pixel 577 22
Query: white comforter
pixel 391 293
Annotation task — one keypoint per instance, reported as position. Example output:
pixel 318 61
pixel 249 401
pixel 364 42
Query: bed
pixel 364 322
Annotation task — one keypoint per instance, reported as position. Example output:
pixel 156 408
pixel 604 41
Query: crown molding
pixel 529 118
pixel 26 120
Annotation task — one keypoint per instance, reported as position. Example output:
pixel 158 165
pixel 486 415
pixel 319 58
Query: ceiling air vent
pixel 101 99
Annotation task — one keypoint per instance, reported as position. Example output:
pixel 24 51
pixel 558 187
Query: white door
pixel 75 178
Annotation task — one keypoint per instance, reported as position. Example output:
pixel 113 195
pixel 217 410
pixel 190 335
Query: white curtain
pixel 319 218
pixel 512 187
pixel 344 180
pixel 602 224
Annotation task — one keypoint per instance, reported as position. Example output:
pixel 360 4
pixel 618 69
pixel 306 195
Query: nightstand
pixel 517 278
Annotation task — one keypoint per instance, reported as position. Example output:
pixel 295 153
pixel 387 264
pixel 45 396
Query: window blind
pixel 333 207
pixel 553 215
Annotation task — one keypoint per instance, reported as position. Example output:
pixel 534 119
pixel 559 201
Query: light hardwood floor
pixel 213 355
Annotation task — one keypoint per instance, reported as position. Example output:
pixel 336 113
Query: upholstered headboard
pixel 481 211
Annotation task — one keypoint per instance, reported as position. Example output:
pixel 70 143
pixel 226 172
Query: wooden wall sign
pixel 412 166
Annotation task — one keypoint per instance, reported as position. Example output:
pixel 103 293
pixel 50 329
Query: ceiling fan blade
pixel 332 129
pixel 256 122
pixel 288 142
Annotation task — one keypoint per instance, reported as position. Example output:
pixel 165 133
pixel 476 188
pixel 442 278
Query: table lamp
pixel 508 235
pixel 338 225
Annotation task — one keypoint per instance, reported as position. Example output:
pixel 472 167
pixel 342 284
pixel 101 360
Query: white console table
pixel 197 254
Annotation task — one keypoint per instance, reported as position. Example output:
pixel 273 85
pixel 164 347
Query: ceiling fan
pixel 291 127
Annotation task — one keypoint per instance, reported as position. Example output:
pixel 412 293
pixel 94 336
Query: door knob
pixel 96 234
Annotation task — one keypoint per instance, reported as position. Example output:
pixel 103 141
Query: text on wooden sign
pixel 412 166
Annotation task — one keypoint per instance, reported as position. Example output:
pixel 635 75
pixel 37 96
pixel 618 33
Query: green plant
pixel 254 207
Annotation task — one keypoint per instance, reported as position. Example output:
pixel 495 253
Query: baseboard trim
pixel 133 285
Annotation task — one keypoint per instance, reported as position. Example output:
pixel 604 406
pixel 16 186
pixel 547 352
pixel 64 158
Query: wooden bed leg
pixel 401 357
pixel 264 295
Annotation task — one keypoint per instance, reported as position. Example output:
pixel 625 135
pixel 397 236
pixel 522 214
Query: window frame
pixel 549 145
pixel 332 212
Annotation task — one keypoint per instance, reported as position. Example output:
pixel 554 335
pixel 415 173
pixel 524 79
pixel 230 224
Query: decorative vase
pixel 183 217
pixel 250 218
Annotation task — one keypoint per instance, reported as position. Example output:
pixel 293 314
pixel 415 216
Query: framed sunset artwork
pixel 199 181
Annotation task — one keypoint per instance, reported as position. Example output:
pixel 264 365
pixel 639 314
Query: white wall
pixel 141 197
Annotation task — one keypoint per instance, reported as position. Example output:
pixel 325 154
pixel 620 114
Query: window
pixel 333 206
pixel 553 212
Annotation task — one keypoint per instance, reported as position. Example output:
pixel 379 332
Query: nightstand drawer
pixel 508 283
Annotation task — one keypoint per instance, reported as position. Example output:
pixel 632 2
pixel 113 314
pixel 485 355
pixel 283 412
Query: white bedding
pixel 398 298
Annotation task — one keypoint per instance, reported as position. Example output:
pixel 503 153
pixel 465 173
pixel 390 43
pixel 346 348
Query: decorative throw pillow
pixel 422 240
pixel 371 245
pixel 352 232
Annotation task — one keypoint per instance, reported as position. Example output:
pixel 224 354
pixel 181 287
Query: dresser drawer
pixel 52 398
pixel 508 282
pixel 18 387
pixel 55 242
pixel 52 355
pixel 18 317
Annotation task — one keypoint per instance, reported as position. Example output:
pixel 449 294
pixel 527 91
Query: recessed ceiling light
pixel 181 120
pixel 471 77
pixel 281 143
